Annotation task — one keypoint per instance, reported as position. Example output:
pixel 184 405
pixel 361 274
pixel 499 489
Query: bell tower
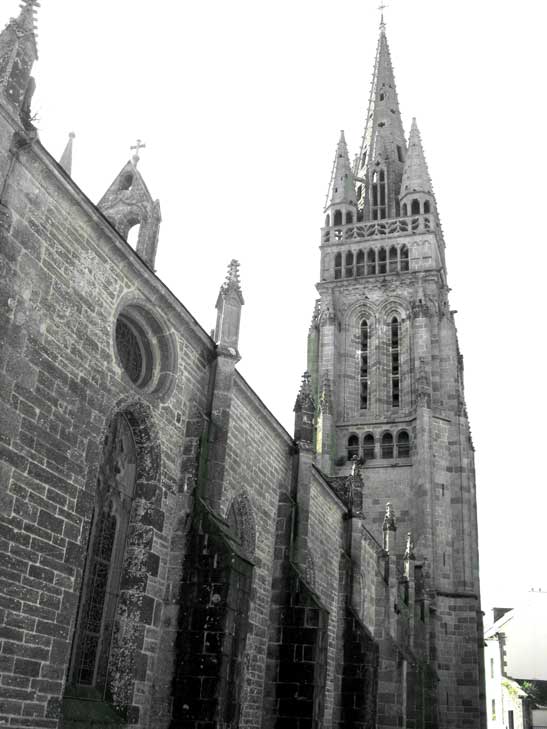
pixel 384 339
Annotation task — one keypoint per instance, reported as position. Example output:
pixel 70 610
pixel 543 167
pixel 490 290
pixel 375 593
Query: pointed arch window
pixel 369 447
pixel 427 207
pixel 393 263
pixel 338 266
pixel 360 264
pixel 371 262
pixel 349 265
pixel 382 260
pixel 404 258
pixel 415 207
pixel 353 447
pixel 115 492
pixel 387 445
pixel 364 371
pixel 349 218
pixel 395 335
pixel 403 444
pixel 379 195
pixel 337 217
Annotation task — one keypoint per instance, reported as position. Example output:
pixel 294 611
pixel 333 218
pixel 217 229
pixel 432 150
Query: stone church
pixel 171 557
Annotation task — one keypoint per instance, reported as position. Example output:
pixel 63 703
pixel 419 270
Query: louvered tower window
pixel 395 362
pixel 369 450
pixel 338 266
pixel 364 379
pixel 379 195
pixel 353 447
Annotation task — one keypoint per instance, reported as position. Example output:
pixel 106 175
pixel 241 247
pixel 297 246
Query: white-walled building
pixel 516 651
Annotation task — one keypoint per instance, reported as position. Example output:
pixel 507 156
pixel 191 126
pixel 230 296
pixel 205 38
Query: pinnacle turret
pixel 18 52
pixel 415 175
pixel 416 189
pixel 342 184
pixel 66 158
pixel 380 164
pixel 229 303
pixel 304 411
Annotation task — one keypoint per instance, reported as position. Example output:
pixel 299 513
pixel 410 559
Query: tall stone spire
pixel 383 147
pixel 18 52
pixel 416 183
pixel 66 158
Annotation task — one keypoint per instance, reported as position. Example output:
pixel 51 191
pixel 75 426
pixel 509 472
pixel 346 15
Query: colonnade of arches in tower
pixel 379 210
pixel 387 446
pixel 372 262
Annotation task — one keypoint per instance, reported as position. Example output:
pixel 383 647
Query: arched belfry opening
pixel 131 209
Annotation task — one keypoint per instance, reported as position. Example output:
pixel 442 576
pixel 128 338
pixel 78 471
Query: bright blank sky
pixel 240 104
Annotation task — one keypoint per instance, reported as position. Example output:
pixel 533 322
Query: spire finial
pixel 381 8
pixel 66 158
pixel 137 147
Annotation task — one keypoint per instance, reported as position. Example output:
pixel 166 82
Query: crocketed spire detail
pixel 304 399
pixel 383 146
pixel 415 174
pixel 232 284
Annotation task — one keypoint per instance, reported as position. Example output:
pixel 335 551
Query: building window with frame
pixel 387 445
pixel 379 195
pixel 360 263
pixel 371 262
pixel 349 265
pixel 364 379
pixel 102 577
pixel 404 262
pixel 369 448
pixel 403 444
pixel 395 335
pixel 353 447
pixel 338 266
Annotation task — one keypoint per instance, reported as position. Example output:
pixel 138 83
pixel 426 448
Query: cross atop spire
pixel 137 147
pixel 381 8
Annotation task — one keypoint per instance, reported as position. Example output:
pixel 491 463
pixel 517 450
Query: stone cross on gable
pixel 137 147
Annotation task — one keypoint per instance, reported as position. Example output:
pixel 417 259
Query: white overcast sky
pixel 240 104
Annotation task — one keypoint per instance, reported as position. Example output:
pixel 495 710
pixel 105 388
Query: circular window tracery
pixel 146 351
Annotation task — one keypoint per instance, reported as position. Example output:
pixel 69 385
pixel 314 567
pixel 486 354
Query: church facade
pixel 172 558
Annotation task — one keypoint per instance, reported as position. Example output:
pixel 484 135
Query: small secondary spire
pixel 66 158
pixel 137 147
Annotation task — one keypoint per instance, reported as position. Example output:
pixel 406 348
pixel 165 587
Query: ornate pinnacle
pixel 316 312
pixel 304 398
pixel 325 400
pixel 232 282
pixel 409 551
pixel 389 519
